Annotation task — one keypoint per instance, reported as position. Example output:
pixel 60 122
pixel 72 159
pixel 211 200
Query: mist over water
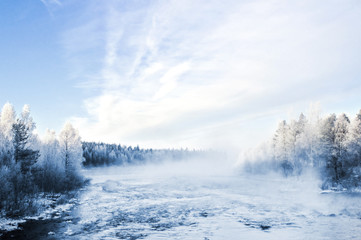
pixel 208 199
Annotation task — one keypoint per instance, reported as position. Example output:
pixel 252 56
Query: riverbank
pixel 53 209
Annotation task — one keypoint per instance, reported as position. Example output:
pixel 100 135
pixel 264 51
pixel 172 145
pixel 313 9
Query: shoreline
pixel 57 210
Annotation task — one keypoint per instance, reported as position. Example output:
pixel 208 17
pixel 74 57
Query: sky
pixel 190 73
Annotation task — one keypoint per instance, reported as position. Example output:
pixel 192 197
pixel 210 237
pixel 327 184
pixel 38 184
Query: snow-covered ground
pixel 190 201
pixel 207 201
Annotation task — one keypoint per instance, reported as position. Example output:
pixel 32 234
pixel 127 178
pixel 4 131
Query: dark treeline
pixel 29 166
pixel 331 145
pixel 99 154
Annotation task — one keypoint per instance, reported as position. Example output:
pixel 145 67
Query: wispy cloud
pixel 177 73
pixel 51 2
pixel 51 5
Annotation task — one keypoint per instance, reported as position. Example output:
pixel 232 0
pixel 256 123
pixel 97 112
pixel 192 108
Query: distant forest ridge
pixel 99 154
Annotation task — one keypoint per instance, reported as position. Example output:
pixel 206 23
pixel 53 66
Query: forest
pixel 30 165
pixel 100 154
pixel 330 145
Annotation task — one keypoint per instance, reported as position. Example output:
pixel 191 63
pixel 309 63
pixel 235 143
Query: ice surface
pixel 169 202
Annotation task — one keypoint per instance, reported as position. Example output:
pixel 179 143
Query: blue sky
pixel 179 73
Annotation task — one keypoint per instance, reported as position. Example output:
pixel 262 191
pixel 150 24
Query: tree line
pixel 100 154
pixel 30 165
pixel 331 145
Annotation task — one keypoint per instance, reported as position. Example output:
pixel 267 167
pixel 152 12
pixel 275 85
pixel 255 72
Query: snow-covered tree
pixel 50 148
pixel 329 144
pixel 71 149
pixel 50 163
pixel 340 147
pixel 27 119
pixel 283 145
pixel 22 172
pixel 24 155
pixel 297 153
pixel 327 135
pixel 300 125
pixel 354 139
pixel 309 143
pixel 281 141
pixel 7 119
pixel 341 132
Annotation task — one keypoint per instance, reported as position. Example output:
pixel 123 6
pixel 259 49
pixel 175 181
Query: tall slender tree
pixel 7 119
pixel 283 146
pixel 354 140
pixel 340 145
pixel 71 149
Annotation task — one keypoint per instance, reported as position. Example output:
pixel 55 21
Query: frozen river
pixel 183 201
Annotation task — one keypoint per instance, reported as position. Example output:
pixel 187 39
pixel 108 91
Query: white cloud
pixel 181 72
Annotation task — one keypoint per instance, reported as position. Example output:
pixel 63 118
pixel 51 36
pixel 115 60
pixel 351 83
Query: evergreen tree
pixel 27 119
pixel 327 141
pixel 22 154
pixel 353 163
pixel 340 146
pixel 354 140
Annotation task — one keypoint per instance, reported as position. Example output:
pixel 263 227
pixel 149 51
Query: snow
pixel 8 224
pixel 170 203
